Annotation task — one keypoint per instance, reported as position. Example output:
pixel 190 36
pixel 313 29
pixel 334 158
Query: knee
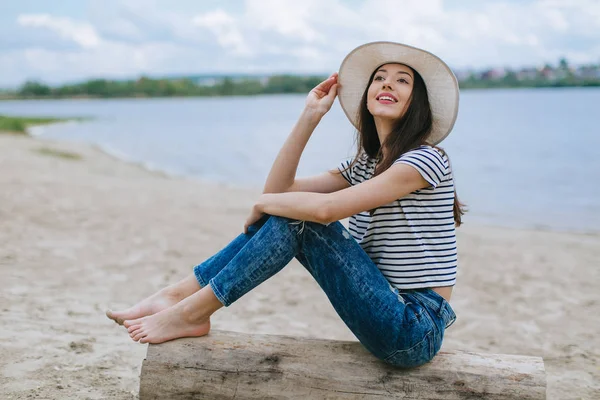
pixel 419 354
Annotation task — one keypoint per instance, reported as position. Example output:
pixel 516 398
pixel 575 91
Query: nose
pixel 387 83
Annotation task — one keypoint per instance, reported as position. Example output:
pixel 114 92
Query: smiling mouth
pixel 386 98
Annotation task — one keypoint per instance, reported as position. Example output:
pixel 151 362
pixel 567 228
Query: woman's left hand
pixel 255 215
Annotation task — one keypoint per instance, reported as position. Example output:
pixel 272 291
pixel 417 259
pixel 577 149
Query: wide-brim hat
pixel 442 85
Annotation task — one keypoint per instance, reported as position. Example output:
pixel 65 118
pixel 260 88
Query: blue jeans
pixel 403 328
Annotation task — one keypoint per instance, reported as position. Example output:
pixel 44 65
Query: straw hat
pixel 442 86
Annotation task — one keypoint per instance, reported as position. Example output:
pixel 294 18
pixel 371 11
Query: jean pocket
pixel 445 311
pixel 419 354
pixel 448 315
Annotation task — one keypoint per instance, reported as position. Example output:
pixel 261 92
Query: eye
pixel 402 80
pixel 378 78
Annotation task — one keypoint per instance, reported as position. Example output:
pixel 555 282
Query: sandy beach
pixel 83 233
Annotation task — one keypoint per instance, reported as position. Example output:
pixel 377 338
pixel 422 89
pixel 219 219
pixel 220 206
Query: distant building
pixel 207 81
pixel 214 80
pixel 548 73
pixel 527 74
pixel 493 74
pixel 463 75
pixel 588 72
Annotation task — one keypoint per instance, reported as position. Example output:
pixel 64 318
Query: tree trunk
pixel 228 365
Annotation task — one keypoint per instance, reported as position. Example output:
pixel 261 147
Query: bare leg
pixel 190 285
pixel 267 252
pixel 159 301
pixel 189 317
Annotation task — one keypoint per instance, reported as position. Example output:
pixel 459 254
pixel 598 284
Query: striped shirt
pixel 411 240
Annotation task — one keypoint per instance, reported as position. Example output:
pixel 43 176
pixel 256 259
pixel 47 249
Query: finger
pixel 332 92
pixel 326 84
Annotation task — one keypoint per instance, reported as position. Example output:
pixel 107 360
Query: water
pixel 522 158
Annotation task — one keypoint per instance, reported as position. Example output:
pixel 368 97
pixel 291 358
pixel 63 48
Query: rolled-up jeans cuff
pixel 218 294
pixel 199 277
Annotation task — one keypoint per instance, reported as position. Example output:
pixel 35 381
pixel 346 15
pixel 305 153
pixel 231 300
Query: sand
pixel 81 235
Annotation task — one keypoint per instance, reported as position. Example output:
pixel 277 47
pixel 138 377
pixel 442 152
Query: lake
pixel 522 158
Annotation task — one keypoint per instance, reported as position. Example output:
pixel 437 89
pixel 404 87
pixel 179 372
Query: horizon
pixel 257 75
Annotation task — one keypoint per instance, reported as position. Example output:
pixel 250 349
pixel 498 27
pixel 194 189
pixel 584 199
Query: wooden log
pixel 228 365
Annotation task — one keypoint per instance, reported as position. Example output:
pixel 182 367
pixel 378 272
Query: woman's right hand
pixel 321 98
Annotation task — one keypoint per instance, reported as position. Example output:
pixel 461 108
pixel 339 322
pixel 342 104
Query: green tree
pixel 225 88
pixel 563 64
pixel 33 88
pixel 97 87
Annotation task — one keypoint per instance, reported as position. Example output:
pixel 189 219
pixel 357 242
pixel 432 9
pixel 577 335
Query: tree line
pixel 147 87
pixel 227 86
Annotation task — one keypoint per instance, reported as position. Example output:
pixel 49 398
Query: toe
pixel 132 328
pixel 135 331
pixel 112 315
pixel 139 335
pixel 129 322
pixel 115 316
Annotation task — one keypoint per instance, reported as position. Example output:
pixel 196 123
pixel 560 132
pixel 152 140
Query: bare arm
pixel 327 182
pixel 398 181
pixel 282 177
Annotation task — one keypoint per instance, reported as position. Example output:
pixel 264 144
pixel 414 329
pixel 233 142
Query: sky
pixel 72 40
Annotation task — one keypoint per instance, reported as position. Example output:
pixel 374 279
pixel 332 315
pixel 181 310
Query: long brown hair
pixel 409 132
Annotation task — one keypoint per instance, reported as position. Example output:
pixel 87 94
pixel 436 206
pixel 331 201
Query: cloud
pixel 81 33
pixel 127 38
pixel 579 17
pixel 224 27
pixel 287 18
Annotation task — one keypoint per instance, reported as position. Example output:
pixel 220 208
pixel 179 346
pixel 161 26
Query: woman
pixel 390 278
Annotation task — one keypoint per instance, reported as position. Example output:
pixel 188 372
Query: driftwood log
pixel 228 365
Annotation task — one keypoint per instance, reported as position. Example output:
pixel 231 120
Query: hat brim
pixel 442 85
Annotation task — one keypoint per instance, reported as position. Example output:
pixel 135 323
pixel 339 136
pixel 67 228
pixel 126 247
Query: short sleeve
pixel 432 166
pixel 346 171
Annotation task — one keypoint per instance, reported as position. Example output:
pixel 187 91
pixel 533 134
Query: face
pixel 389 91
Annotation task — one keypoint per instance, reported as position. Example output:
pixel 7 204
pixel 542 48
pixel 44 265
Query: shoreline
pixel 147 167
pixel 81 235
pixel 479 221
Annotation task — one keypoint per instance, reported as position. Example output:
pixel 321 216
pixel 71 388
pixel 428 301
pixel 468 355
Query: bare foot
pixel 166 325
pixel 159 301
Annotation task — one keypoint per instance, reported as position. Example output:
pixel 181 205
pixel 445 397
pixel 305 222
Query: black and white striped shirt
pixel 411 240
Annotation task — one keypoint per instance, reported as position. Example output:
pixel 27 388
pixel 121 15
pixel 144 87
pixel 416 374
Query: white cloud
pixel 81 33
pixel 288 18
pixel 126 38
pixel 225 29
pixel 581 16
